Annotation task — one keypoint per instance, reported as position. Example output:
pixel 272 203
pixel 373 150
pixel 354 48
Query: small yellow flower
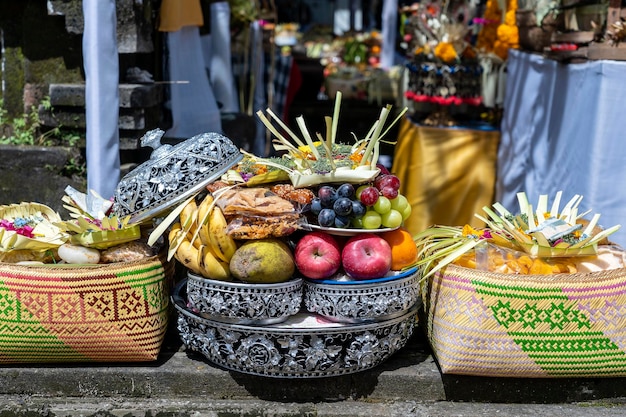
pixel 356 157
pixel 306 152
pixel 446 52
pixel 470 231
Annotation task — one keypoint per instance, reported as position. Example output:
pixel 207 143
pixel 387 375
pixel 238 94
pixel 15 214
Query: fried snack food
pixel 258 201
pixel 501 260
pixel 216 185
pixel 289 192
pixel 254 227
pixel 258 213
pixel 505 261
pixel 126 252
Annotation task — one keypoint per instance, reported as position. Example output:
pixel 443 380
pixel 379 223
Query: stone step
pixel 177 406
pixel 131 95
pixel 38 174
pixel 129 119
pixel 140 110
pixel 411 375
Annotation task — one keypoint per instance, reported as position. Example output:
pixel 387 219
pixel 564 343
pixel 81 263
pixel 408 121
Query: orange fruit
pixel 403 248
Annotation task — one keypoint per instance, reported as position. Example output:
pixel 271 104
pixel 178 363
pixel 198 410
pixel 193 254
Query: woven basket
pixel 100 313
pixel 491 324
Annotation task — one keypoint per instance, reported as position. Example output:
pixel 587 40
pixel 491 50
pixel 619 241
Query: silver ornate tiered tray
pixel 304 346
pixel 351 301
pixel 242 303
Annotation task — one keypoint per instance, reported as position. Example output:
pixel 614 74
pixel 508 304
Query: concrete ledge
pixel 410 375
pixel 173 407
pixel 131 95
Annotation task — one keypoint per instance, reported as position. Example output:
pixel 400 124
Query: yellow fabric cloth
pixel 447 174
pixel 174 14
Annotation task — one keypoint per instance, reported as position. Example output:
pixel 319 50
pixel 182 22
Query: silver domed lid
pixel 173 173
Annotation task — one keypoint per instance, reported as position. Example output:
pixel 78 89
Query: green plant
pixel 29 130
pixel 75 166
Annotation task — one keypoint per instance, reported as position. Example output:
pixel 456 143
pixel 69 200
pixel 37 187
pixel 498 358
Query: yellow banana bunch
pixel 214 267
pixel 191 240
pixel 204 211
pixel 221 242
pixel 190 257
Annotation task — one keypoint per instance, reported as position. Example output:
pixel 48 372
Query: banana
pixel 189 219
pixel 186 215
pixel 175 237
pixel 197 243
pixel 213 267
pixel 204 210
pixel 174 231
pixel 190 257
pixel 204 234
pixel 222 244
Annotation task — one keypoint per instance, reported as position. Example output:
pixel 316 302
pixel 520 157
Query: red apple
pixel 366 256
pixel 317 255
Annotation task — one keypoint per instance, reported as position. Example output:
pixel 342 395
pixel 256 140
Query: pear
pixel 263 261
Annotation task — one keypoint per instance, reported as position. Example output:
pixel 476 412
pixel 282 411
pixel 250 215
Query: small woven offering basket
pixel 89 313
pixel 538 294
pixel 493 324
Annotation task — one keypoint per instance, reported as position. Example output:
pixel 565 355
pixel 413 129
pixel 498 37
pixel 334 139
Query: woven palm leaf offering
pixel 28 232
pixel 312 160
pixel 538 240
pixel 93 225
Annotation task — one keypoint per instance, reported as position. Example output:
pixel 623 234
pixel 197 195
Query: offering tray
pixel 304 346
pixel 374 300
pixel 348 231
pixel 241 303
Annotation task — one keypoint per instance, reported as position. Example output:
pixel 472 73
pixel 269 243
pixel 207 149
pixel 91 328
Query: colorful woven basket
pixel 491 324
pixel 100 313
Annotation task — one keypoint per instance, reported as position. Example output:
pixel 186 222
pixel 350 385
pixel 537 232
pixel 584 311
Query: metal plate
pixel 241 303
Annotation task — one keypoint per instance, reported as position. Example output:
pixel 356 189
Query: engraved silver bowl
pixel 350 301
pixel 173 173
pixel 243 303
pixel 304 346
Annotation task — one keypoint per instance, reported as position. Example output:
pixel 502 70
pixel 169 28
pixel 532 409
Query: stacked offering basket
pixel 252 326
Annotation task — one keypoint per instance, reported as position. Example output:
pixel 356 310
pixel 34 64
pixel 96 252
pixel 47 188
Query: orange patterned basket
pixel 90 313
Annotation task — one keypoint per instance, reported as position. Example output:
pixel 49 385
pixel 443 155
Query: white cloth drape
pixel 562 131
pixel 193 105
pixel 219 60
pixel 101 63
pixel 390 27
pixel 259 99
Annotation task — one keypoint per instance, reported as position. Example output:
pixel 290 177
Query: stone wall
pixel 42 57
pixel 43 47
pixel 37 174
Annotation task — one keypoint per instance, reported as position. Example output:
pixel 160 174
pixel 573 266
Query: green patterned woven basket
pixel 98 313
pixel 491 324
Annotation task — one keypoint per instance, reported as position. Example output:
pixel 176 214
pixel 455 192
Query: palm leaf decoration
pixel 438 246
pixel 86 229
pixel 317 159
pixel 29 226
pixel 540 232
pixel 547 233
